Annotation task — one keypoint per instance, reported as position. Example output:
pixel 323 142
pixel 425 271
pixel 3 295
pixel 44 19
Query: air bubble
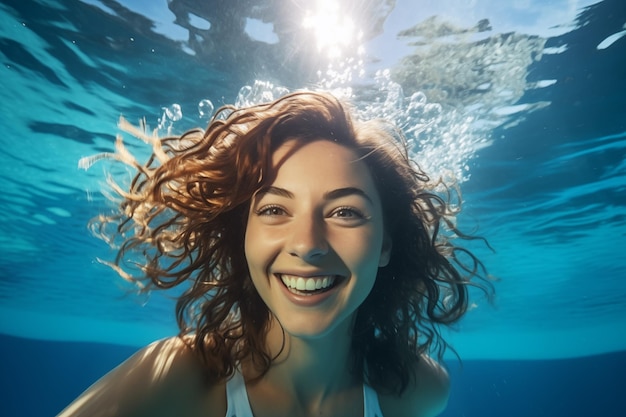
pixel 174 112
pixel 205 109
pixel 417 99
pixel 170 115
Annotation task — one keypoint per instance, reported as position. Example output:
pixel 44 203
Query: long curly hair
pixel 183 221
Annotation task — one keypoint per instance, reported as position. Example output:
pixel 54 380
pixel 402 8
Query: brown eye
pixel 270 211
pixel 347 213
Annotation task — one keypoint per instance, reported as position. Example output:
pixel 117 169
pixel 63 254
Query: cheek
pixel 250 248
pixel 255 264
pixel 361 252
pixel 260 249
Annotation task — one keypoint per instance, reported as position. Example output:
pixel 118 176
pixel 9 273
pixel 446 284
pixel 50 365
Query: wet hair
pixel 183 219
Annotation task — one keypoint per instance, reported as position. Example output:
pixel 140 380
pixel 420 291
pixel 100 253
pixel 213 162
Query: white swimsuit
pixel 239 405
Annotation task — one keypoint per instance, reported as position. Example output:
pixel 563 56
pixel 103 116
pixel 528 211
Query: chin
pixel 315 329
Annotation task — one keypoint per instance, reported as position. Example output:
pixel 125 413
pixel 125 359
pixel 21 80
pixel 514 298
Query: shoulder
pixel 164 378
pixel 427 396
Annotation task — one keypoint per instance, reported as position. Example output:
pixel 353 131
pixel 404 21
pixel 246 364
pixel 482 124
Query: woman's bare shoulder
pixel 426 397
pixel 165 378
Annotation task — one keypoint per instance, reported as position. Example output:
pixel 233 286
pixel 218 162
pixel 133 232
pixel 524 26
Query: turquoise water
pixel 523 102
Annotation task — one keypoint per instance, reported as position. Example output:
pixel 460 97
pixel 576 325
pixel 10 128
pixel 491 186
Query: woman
pixel 314 269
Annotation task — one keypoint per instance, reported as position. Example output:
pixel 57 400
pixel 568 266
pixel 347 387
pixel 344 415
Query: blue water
pixel 45 376
pixel 528 112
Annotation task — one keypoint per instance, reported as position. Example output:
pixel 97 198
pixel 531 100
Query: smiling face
pixel 315 238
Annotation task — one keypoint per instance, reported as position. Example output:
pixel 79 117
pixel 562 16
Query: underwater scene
pixel 521 103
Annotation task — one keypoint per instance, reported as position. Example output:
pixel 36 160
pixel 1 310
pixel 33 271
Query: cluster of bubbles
pixel 339 77
pixel 413 115
pixel 174 113
pixel 259 92
pixel 441 141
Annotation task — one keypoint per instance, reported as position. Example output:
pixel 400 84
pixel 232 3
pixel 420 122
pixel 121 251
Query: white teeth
pixel 307 284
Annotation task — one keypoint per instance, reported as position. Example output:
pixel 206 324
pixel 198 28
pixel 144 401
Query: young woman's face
pixel 315 238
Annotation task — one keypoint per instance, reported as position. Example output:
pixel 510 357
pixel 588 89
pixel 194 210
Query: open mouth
pixel 309 285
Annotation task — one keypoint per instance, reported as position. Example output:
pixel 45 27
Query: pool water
pixel 522 102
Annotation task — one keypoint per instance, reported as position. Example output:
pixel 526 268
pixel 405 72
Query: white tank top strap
pixel 371 407
pixel 238 404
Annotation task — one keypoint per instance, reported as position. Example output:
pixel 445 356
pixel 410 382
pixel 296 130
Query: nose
pixel 308 238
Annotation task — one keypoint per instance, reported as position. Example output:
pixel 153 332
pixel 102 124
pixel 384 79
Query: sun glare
pixel 333 29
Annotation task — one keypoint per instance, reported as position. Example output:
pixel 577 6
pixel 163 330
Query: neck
pixel 311 369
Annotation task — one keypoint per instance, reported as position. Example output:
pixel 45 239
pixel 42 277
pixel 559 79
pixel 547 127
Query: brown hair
pixel 186 211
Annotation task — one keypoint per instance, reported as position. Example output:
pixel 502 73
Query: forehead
pixel 307 148
pixel 320 163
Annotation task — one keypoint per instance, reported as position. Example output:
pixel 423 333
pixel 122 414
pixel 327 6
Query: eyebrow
pixel 344 192
pixel 281 192
pixel 329 195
